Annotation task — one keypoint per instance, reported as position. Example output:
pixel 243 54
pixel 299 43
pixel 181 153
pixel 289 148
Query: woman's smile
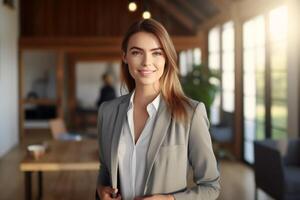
pixel 146 72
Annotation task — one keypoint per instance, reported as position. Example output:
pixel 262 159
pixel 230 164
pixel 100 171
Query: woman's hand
pixel 105 193
pixel 156 197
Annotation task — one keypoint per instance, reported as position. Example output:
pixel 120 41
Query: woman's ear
pixel 124 57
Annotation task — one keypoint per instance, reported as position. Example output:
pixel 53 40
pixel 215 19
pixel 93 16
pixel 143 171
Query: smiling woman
pixel 145 59
pixel 143 135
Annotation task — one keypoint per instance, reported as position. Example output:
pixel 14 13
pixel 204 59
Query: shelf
pixel 40 101
pixel 36 124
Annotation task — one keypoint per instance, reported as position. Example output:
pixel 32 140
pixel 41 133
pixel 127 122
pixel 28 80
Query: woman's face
pixel 145 58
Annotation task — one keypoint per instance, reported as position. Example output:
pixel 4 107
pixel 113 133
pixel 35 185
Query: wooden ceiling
pixel 85 18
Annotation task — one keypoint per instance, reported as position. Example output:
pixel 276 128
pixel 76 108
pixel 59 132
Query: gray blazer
pixel 173 148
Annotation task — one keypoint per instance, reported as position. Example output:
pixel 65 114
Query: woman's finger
pixel 107 193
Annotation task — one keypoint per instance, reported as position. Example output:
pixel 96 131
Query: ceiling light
pixel 132 6
pixel 146 14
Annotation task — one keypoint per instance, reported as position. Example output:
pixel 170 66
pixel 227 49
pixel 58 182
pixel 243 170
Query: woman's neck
pixel 145 94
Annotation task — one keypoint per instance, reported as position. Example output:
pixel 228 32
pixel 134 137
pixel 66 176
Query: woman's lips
pixel 146 71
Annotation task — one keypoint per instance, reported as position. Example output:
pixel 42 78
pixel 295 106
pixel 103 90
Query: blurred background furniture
pixel 62 156
pixel 277 168
pixel 60 132
pixel 222 136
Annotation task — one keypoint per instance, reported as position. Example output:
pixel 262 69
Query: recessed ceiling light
pixel 132 6
pixel 146 14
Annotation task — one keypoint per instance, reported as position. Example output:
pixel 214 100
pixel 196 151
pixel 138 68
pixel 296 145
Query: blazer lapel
pixel 162 122
pixel 121 116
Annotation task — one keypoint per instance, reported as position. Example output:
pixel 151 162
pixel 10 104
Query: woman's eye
pixel 135 53
pixel 157 53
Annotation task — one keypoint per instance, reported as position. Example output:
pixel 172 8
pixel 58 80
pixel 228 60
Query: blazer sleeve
pixel 103 175
pixel 202 160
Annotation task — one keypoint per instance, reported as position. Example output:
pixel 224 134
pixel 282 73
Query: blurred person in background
pixel 107 92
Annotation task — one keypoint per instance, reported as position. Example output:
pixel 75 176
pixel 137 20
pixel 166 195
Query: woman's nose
pixel 147 59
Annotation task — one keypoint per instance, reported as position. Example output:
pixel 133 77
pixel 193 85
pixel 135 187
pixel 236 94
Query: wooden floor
pixel 237 180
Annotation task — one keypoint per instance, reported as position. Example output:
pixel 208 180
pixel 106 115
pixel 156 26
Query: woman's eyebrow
pixel 154 49
pixel 138 48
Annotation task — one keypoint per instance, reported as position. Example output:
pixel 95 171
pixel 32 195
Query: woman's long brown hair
pixel 170 86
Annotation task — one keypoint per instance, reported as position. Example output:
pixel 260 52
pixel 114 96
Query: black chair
pixel 277 168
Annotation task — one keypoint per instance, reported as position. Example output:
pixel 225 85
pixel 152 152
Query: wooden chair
pixel 60 132
pixel 57 127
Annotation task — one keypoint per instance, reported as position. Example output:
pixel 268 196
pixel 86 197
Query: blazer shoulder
pixel 115 102
pixel 193 104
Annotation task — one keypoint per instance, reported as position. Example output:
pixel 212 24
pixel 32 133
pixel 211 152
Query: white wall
pixel 89 81
pixel 9 135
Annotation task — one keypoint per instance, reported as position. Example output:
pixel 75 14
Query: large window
pixel 254 78
pixel 214 62
pixel 278 61
pixel 228 67
pixel 265 78
pixel 221 60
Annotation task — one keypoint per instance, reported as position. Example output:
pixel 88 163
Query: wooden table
pixel 60 156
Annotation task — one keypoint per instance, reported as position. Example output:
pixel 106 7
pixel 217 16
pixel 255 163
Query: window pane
pixel 249 84
pixel 249 107
pixel 228 36
pixel 228 81
pixel 259 31
pixel 279 85
pixel 214 61
pixel 249 151
pixel 260 110
pixel 250 129
pixel 214 40
pixel 197 56
pixel 260 131
pixel 228 61
pixel 248 32
pixel 279 56
pixel 183 63
pixel 279 114
pixel 249 60
pixel 215 110
pixel 228 101
pixel 260 59
pixel 189 59
pixel 260 85
pixel 254 32
pixel 278 134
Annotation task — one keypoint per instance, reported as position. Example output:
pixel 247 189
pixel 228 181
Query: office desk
pixel 60 156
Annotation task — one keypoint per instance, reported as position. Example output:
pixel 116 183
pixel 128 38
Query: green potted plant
pixel 197 85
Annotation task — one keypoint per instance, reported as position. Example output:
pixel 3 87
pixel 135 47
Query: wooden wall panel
pixel 65 18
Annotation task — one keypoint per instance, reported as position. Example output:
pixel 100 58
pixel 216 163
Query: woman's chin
pixel 145 82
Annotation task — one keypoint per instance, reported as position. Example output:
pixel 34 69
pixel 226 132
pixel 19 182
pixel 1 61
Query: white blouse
pixel 131 156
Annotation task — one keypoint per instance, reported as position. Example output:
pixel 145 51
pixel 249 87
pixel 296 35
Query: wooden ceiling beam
pixel 192 9
pixel 105 45
pixel 178 15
